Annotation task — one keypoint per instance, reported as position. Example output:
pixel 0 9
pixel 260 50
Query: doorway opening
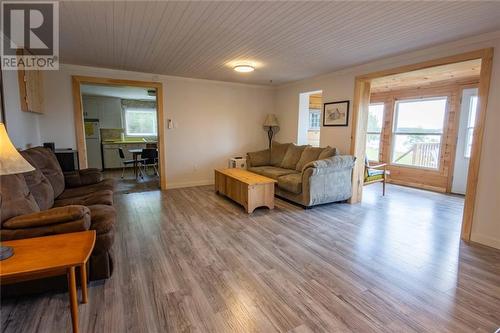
pixel 119 130
pixel 410 118
pixel 310 105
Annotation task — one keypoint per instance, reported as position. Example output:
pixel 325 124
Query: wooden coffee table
pixel 40 257
pixel 246 188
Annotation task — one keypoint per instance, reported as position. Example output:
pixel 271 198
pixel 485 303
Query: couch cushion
pixel 107 184
pixel 102 218
pixel 374 177
pixel 374 172
pixel 308 155
pixel 292 156
pixel 327 152
pixel 45 160
pixel 258 158
pixel 278 151
pixel 271 172
pixel 39 186
pixel 291 183
pixel 15 197
pixel 102 197
pixel 49 217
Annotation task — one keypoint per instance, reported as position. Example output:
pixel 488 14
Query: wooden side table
pixel 40 257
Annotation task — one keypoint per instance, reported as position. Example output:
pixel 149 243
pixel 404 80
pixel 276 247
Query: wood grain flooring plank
pixel 189 260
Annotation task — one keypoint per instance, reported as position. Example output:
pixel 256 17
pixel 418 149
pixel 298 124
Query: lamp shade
pixel 11 162
pixel 271 121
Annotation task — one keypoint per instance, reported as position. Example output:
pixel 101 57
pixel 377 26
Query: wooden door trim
pixel 77 81
pixel 360 110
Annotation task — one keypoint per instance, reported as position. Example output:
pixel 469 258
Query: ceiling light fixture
pixel 244 68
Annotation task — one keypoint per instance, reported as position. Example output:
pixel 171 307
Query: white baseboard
pixel 189 184
pixel 486 240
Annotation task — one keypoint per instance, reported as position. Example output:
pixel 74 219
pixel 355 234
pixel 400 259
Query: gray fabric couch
pixel 306 175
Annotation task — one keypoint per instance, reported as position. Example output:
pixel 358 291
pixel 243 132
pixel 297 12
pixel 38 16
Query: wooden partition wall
pixel 436 180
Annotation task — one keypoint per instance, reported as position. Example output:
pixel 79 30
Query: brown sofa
pixel 46 202
pixel 306 175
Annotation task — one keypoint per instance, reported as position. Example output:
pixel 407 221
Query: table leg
pixel 135 165
pixel 83 281
pixel 73 298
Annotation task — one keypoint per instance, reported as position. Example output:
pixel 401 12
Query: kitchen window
pixel 418 132
pixel 140 122
pixel 374 131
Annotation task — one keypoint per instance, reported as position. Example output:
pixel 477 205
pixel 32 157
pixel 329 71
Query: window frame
pixel 380 146
pixel 394 132
pixel 151 110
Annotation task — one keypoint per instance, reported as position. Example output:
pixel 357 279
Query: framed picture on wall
pixel 336 113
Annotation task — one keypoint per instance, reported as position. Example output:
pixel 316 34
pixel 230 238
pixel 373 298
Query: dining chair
pixel 150 158
pixel 126 163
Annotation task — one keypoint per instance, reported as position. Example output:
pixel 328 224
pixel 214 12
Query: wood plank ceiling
pixel 286 41
pixel 456 73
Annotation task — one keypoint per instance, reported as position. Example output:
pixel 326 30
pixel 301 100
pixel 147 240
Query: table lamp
pixel 11 162
pixel 271 125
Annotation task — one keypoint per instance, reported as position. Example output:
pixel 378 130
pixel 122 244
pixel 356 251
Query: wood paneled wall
pixel 436 180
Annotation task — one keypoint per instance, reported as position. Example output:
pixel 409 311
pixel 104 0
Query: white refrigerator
pixel 93 142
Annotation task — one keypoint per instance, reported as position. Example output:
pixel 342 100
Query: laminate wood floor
pixel 128 184
pixel 188 260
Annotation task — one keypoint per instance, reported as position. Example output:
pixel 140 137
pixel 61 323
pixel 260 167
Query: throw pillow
pixel 258 158
pixel 327 152
pixel 292 156
pixel 278 151
pixel 16 198
pixel 39 186
pixel 308 155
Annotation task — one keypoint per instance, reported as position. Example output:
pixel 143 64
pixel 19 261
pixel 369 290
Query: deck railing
pixel 424 155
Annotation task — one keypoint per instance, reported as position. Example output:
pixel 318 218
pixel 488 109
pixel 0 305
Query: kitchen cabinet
pixel 110 112
pixel 90 108
pixel 107 109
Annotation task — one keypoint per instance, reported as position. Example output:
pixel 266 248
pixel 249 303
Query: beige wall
pixel 340 86
pixel 214 120
pixel 22 126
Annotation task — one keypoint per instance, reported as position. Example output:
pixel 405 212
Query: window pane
pixel 373 146
pixel 314 120
pixel 422 116
pixel 468 142
pixel 471 121
pixel 375 117
pixel 417 150
pixel 472 112
pixel 140 122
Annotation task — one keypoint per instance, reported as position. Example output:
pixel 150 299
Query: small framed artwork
pixel 336 113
